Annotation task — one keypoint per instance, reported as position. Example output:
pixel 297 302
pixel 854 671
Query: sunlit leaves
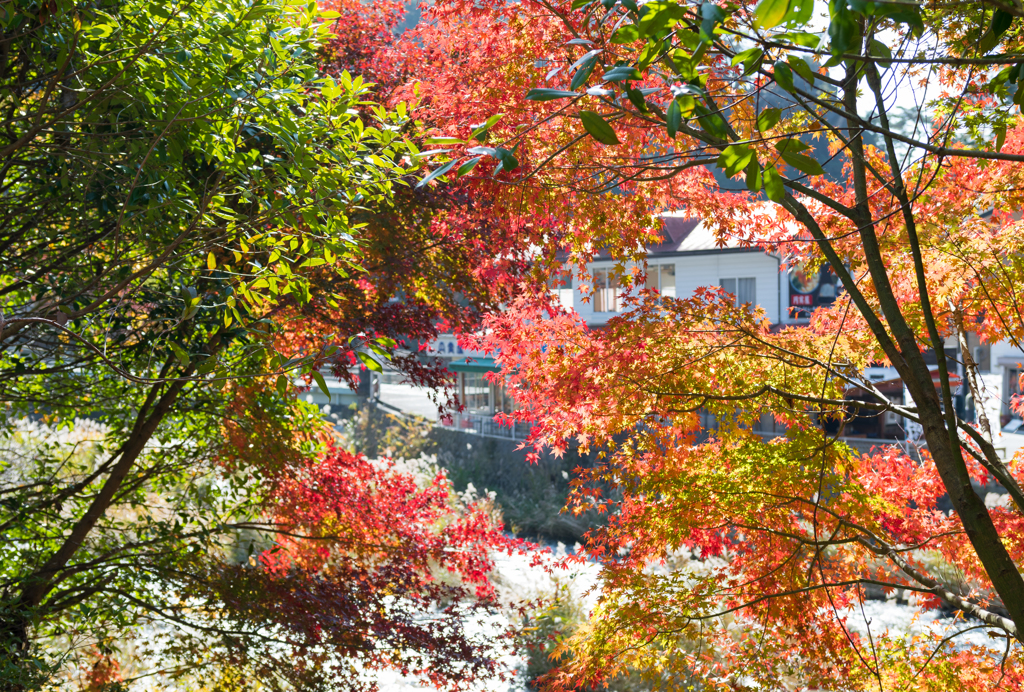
pixel 626 34
pixel 750 59
pixel 789 150
pixel 768 118
pixel 735 158
pixel 800 66
pixel 770 13
pixel 773 185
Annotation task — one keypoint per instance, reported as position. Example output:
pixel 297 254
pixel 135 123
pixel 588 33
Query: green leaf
pixel 658 16
pixel 734 158
pixel 773 184
pixel 1000 132
pixel 686 104
pixel 480 131
pixel 881 53
pixel 621 73
pixel 506 160
pixel 800 12
pixel 437 172
pixel 598 128
pixel 1007 74
pixel 636 97
pixel 801 67
pixel 905 14
pixel 211 262
pixel 801 38
pixel 583 74
pixel 803 162
pixel 753 175
pixel 179 353
pixel 770 13
pixel 207 366
pixel 1001 21
pixel 444 140
pixel 711 122
pixel 843 29
pixel 768 118
pixel 750 58
pixel 711 16
pixel 583 67
pixel 673 118
pixel 1018 96
pixel 282 385
pixel 791 146
pixel 99 31
pixel 369 362
pixel 550 94
pixel 319 379
pixel 626 34
pixel 784 76
pixel 468 166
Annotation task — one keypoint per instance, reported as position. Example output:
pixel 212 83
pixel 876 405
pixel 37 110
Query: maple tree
pixel 375 566
pixel 612 112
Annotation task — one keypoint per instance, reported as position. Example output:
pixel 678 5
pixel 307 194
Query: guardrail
pixel 486 426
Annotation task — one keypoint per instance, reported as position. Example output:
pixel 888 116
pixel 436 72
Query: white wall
pixel 694 271
pixel 1010 355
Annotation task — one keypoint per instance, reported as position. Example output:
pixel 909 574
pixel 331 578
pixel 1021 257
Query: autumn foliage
pixel 372 566
pixel 733 558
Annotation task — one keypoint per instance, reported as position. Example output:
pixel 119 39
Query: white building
pixel 690 258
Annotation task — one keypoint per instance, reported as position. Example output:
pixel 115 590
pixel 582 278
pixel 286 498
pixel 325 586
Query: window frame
pixel 604 293
pixel 740 285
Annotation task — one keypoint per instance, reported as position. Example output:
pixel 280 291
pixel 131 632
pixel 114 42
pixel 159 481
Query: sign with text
pixel 810 288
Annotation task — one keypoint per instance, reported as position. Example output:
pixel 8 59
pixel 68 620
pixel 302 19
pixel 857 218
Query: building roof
pixel 676 231
pixel 684 234
pixel 473 365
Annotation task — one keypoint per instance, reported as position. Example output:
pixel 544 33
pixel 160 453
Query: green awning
pixel 473 365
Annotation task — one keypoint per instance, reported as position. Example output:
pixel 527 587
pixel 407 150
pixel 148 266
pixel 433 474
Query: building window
pixel 606 291
pixel 503 401
pixel 561 288
pixel 476 393
pixel 744 290
pixel 663 278
pixel 1012 389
